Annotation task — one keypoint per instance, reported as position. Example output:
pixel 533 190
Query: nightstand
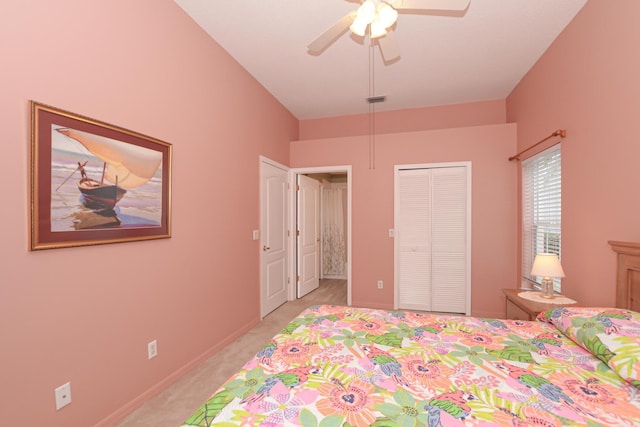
pixel 519 308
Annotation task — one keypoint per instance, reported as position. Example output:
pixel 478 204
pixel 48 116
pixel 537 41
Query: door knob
pixel 265 248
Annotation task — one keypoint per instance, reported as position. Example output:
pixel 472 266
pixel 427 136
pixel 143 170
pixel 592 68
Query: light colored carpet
pixel 175 404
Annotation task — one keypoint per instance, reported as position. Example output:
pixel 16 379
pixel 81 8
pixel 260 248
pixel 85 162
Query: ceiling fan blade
pixel 389 47
pixel 454 5
pixel 332 34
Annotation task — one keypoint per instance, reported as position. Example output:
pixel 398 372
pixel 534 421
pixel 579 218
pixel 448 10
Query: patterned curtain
pixel 333 240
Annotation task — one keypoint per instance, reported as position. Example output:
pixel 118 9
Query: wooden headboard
pixel 628 275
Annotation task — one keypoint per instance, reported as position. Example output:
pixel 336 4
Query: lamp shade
pixel 359 27
pixel 377 14
pixel 367 11
pixel 377 29
pixel 547 265
pixel 387 15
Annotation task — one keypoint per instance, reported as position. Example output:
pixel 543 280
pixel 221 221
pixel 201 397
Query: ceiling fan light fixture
pixel 377 29
pixel 359 27
pixel 377 18
pixel 387 15
pixel 367 11
pixel 378 14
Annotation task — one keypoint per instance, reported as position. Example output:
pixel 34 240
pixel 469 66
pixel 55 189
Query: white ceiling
pixel 481 55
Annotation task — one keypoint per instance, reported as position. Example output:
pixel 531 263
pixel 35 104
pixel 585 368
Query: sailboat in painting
pixel 125 166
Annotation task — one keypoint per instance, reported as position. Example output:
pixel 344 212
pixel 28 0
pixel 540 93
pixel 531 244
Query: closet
pixel 432 237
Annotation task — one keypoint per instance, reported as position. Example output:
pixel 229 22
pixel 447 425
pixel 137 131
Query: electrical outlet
pixel 380 284
pixel 152 349
pixel 256 234
pixel 63 396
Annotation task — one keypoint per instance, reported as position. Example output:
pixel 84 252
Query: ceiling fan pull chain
pixel 372 107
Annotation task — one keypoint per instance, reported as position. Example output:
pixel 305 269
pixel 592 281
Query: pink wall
pixel 587 83
pixel 494 224
pixel 410 120
pixel 85 315
pixel 146 66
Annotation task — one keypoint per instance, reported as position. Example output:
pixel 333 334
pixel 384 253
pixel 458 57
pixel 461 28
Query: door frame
pixel 396 244
pixel 293 172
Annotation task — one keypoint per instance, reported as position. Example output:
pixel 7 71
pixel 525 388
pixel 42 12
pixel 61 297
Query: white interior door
pixel 449 239
pixel 308 242
pixel 413 239
pixel 273 225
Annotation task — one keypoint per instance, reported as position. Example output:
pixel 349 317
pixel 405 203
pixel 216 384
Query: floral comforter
pixel 340 366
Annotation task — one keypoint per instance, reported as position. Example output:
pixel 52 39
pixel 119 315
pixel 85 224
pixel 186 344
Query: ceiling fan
pixel 376 18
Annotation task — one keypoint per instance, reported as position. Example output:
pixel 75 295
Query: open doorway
pixel 334 213
pixel 333 224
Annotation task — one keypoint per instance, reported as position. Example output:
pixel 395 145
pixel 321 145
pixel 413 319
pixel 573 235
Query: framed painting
pixel 93 183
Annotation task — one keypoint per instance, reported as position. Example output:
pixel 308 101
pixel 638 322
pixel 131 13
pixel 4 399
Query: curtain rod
pixel 560 132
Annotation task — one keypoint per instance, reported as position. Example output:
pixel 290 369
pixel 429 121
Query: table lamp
pixel 547 266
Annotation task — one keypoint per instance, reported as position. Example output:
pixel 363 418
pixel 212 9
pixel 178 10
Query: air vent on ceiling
pixel 376 99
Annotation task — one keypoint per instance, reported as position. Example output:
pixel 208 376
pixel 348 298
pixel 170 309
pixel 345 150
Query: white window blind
pixel 541 208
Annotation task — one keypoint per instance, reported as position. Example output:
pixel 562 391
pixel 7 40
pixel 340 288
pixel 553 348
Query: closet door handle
pixel 265 248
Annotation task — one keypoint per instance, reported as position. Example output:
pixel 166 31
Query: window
pixel 541 209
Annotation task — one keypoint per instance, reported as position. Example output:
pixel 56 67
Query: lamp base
pixel 546 290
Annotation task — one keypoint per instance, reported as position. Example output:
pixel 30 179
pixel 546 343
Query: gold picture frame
pixel 94 183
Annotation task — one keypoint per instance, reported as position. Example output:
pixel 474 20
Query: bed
pixel 346 366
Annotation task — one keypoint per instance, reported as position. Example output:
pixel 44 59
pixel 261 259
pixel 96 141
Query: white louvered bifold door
pixel 414 236
pixel 432 239
pixel 449 242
